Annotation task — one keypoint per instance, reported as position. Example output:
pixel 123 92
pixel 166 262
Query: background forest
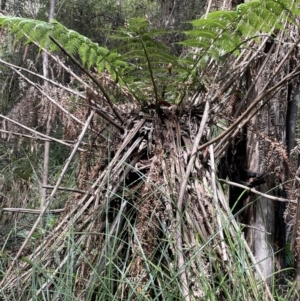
pixel 149 150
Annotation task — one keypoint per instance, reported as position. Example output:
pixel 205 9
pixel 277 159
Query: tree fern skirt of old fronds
pixel 126 228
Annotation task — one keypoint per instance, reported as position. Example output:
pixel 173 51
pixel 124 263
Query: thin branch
pixel 223 144
pixel 208 8
pixel 23 135
pixel 47 96
pixel 15 67
pixel 69 143
pixel 45 173
pixel 297 217
pixel 105 116
pixel 60 63
pixel 248 250
pixel 48 201
pixel 37 133
pixel 262 94
pixel 253 190
pixel 254 82
pixel 239 70
pixel 67 189
pixel 32 211
pixel 255 228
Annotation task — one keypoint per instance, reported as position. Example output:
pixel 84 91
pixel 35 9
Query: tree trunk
pixel 48 125
pixel 260 214
pixel 3 5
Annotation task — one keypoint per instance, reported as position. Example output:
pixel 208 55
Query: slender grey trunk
pixel 48 126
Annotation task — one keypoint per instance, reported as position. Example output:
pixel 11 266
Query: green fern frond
pixel 143 55
pixel 224 31
pixel 141 47
pixel 90 53
pixel 72 45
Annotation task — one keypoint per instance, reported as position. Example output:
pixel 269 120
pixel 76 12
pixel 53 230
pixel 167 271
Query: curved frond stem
pixel 106 117
pixel 96 81
pixel 223 144
pixel 40 89
pixel 54 83
pixel 240 70
pixel 99 112
pixel 254 82
pixel 59 62
pixel 195 65
pixel 151 74
pixel 273 92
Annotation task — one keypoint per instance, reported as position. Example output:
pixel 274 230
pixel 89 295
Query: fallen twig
pixel 32 211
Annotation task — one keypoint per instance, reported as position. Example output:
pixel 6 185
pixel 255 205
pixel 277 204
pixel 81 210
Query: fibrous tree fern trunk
pixel 129 220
